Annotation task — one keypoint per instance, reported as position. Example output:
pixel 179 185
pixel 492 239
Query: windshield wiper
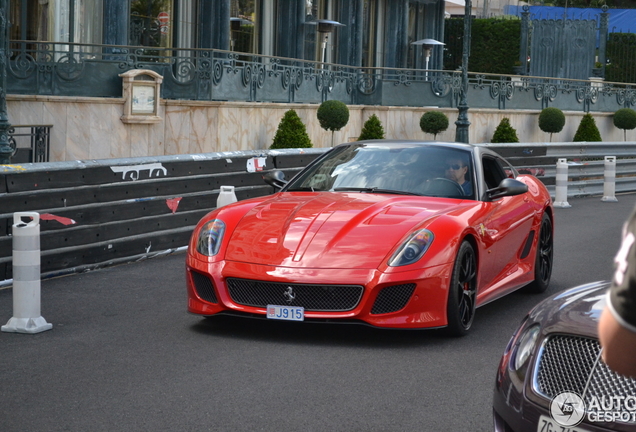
pixel 374 190
pixel 303 189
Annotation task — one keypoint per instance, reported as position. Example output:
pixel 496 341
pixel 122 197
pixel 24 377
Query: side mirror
pixel 275 178
pixel 507 187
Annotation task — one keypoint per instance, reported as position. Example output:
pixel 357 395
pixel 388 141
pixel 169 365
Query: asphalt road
pixel 123 355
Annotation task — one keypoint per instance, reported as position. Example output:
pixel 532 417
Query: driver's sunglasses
pixel 454 166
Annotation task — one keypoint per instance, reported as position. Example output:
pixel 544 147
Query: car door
pixel 506 226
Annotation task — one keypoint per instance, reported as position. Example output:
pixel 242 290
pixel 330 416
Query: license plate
pixel 288 313
pixel 546 424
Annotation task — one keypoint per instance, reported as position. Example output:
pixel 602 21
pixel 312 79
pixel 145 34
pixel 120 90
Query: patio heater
pixel 325 28
pixel 428 45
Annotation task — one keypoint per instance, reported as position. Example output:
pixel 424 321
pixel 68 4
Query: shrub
pixel 505 133
pixel 494 44
pixel 625 118
pixel 587 130
pixel 551 120
pixel 372 129
pixel 333 115
pixel 291 133
pixel 434 122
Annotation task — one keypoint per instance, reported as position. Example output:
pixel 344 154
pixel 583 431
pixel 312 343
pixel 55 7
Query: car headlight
pixel 412 249
pixel 210 237
pixel 525 346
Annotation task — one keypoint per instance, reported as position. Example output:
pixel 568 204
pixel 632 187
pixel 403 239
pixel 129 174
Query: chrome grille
pixel 336 298
pixel 565 364
pixel 604 382
pixel 204 287
pixel 392 299
pixel 573 363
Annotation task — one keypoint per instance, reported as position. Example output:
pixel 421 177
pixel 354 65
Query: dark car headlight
pixel 412 249
pixel 525 346
pixel 210 237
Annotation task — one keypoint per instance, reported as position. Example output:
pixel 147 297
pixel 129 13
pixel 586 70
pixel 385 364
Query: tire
pixel 460 310
pixel 544 257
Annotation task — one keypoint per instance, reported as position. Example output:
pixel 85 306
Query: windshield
pixel 376 168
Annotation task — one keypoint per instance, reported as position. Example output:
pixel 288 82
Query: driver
pixel 457 170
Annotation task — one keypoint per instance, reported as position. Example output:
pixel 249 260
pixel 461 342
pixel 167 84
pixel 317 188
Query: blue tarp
pixel 620 20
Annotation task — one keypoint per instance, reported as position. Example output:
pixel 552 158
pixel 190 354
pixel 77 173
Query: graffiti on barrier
pixel 132 172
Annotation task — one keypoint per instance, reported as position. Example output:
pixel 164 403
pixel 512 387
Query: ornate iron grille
pixel 31 146
pixel 335 298
pixel 204 287
pixel 392 299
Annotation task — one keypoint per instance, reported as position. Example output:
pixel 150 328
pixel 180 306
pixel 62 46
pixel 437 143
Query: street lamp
pixel 462 124
pixel 325 28
pixel 6 150
pixel 428 45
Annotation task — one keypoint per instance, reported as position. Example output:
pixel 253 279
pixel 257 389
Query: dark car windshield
pixel 427 170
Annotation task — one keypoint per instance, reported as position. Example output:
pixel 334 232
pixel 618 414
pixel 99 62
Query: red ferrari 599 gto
pixel 395 234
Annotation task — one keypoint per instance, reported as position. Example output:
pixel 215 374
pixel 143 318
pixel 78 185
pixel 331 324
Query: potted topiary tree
pixel 505 133
pixel 551 120
pixel 625 118
pixel 434 122
pixel 333 115
pixel 372 129
pixel 587 130
pixel 291 133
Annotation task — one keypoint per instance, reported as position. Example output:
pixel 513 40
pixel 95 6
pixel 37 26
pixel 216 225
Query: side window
pixel 505 166
pixel 494 171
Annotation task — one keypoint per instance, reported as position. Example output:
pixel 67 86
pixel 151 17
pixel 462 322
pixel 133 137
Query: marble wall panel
pixel 178 128
pixel 229 129
pixel 119 134
pixel 100 125
pixel 203 133
pixel 55 113
pixel 85 129
pixel 139 138
pixel 77 132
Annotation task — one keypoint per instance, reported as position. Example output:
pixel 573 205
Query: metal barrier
pixel 101 213
pixel 585 163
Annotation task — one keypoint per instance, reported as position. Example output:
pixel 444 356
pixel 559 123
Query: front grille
pixel 573 363
pixel 335 298
pixel 565 365
pixel 204 288
pixel 605 382
pixel 392 299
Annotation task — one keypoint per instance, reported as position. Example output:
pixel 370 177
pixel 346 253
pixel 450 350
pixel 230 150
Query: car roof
pixel 398 143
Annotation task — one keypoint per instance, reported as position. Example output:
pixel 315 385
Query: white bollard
pixel 609 183
pixel 561 198
pixel 226 196
pixel 26 277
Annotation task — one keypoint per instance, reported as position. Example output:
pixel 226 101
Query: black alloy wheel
pixel 462 292
pixel 544 257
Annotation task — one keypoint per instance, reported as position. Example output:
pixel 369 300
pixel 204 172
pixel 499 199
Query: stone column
pixel 396 39
pixel 214 24
pixel 350 36
pixel 290 38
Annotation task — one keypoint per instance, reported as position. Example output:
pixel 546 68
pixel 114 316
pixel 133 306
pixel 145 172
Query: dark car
pixel 551 377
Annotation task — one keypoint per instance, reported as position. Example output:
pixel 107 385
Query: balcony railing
pixel 31 143
pixel 47 68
